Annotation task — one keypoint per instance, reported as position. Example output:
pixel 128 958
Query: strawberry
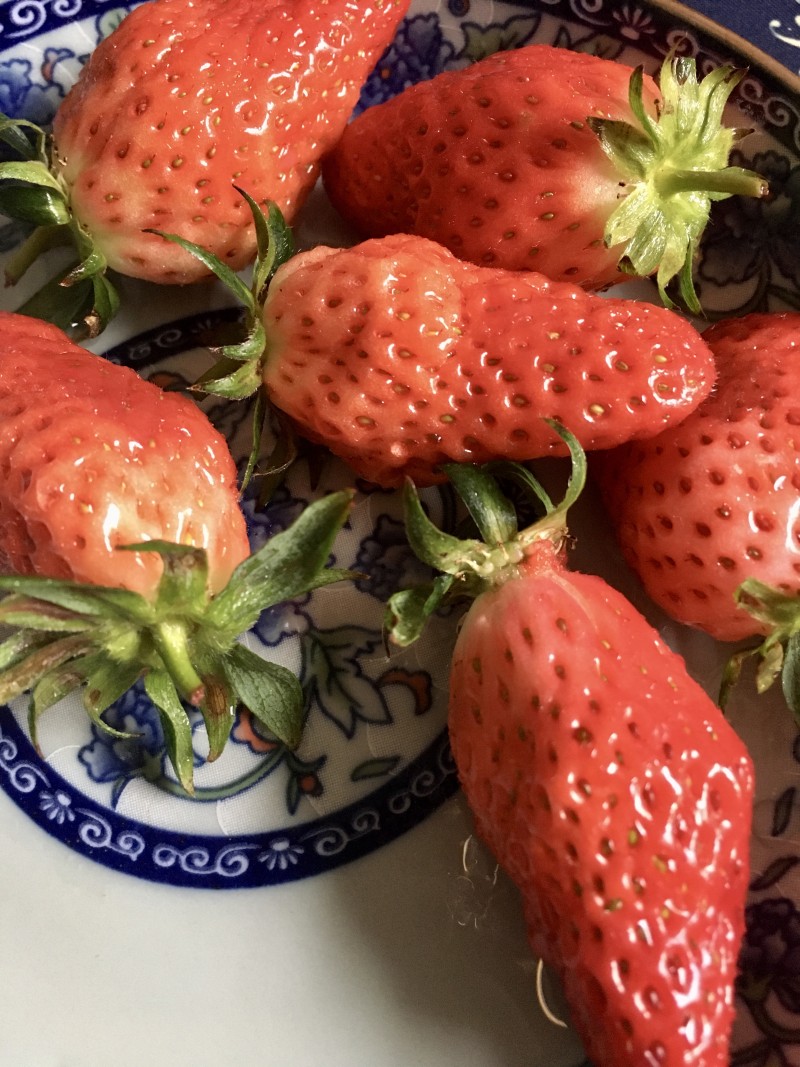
pixel 126 552
pixel 399 357
pixel 181 100
pixel 549 160
pixel 604 779
pixel 707 512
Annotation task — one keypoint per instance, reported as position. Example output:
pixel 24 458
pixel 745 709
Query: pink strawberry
pixel 549 160
pixel 603 778
pixel 94 460
pixel 400 357
pixel 707 512
pixel 186 98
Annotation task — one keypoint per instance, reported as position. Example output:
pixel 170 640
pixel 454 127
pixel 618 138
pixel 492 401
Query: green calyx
pixel 471 566
pixel 778 655
pixel 81 298
pixel 183 642
pixel 672 168
pixel 239 367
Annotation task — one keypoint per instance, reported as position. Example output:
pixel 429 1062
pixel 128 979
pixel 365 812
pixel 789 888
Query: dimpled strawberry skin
pixel 614 793
pixel 398 356
pixel 496 162
pixel 714 501
pixel 186 100
pixel 92 456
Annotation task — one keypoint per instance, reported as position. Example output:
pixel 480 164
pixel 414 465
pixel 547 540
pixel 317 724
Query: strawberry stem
pixel 730 181
pixel 171 639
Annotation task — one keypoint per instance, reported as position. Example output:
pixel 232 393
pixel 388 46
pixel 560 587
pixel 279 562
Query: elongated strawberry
pixel 126 552
pixel 707 512
pixel 604 779
pixel 399 357
pixel 183 99
pixel 549 160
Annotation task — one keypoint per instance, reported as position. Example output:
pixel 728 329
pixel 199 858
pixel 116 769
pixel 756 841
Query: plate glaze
pixel 374 761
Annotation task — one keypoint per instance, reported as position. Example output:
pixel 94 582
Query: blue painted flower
pixel 108 758
pixel 278 515
pixel 387 560
pixel 419 51
pixel 20 97
pixel 57 806
pixel 281 854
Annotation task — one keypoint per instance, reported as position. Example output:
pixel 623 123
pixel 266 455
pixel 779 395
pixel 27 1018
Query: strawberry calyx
pixel 471 566
pixel 79 299
pixel 238 371
pixel 779 653
pixel 672 169
pixel 184 642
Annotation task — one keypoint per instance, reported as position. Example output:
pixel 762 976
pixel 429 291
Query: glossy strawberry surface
pixel 496 162
pixel 617 797
pixel 92 457
pixel 399 356
pixel 708 504
pixel 189 98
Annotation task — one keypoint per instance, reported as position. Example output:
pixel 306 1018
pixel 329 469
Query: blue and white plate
pixel 415 954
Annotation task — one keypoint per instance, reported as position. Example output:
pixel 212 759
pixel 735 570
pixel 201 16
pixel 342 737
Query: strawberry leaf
pixel 269 691
pixel 106 681
pixel 36 614
pixel 175 723
pixel 16 647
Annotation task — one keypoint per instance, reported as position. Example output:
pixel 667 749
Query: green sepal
pixel 175 723
pixel 67 308
pixel 274 242
pixel 33 614
pixel 231 379
pixel 14 132
pixel 409 610
pixel 470 567
pixel 24 672
pixel 180 641
pixel 218 710
pixel 106 680
pixel 18 645
pixel 778 655
pixel 790 675
pixel 185 575
pixel 433 546
pixel 229 278
pixel 492 511
pixel 290 563
pixel 80 597
pixel 35 204
pixel 33 172
pixel 672 169
pixel 269 691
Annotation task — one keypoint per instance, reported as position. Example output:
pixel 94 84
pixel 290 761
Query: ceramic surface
pixel 420 940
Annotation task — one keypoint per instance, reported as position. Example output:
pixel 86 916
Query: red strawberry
pixel 707 512
pixel 604 779
pixel 94 459
pixel 188 97
pixel 549 160
pixel 399 357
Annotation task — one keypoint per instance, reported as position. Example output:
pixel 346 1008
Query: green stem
pixel 731 181
pixel 172 643
pixel 41 240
